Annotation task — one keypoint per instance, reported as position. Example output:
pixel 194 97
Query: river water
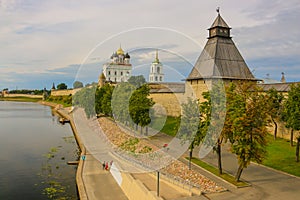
pixel 34 150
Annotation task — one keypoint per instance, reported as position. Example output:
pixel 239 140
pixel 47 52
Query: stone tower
pixel 219 60
pixel 101 80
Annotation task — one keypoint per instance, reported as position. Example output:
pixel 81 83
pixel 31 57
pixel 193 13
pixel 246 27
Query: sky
pixel 52 41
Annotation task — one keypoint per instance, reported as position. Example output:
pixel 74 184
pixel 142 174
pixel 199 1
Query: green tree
pixel 249 117
pixel 77 84
pixel 103 98
pixel 190 126
pixel 137 81
pixel 139 106
pixel 120 102
pixel 214 111
pixel 62 86
pixel 292 114
pixel 85 98
pixel 275 100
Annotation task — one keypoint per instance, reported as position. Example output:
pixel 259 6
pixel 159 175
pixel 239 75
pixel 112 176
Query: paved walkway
pixel 99 183
pixel 267 184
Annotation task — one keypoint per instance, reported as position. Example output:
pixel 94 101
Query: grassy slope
pixel 227 177
pixel 170 127
pixel 281 156
pixel 66 101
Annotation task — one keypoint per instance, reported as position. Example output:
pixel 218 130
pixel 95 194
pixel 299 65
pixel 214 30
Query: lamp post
pixel 190 158
pixel 158 183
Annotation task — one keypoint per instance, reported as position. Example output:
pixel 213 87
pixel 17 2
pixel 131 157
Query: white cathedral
pixel 119 68
pixel 156 71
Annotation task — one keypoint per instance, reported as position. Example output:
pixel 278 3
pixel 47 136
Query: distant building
pixel 156 71
pixel 119 68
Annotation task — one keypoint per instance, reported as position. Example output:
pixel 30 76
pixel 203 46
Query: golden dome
pixel 120 51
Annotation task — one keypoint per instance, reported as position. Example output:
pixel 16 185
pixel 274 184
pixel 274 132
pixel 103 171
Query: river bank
pixel 65 113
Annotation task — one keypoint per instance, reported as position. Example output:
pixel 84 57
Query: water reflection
pixel 28 132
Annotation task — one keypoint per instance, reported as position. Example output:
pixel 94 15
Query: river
pixel 34 150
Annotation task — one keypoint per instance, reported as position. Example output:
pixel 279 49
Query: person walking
pixel 106 166
pixel 103 165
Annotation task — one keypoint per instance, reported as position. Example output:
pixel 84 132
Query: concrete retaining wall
pixel 136 190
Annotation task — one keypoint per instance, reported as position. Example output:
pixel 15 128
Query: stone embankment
pixel 176 168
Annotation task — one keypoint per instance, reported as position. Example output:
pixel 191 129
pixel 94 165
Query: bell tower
pixel 156 70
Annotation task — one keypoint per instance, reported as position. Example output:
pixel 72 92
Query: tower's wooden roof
pixel 219 22
pixel 220 58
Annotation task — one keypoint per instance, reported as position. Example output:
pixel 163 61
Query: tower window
pixel 108 72
pixel 115 72
pixel 121 73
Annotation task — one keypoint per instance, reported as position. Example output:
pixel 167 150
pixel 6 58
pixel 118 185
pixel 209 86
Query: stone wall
pixel 282 131
pixel 23 95
pixel 195 88
pixel 168 103
pixel 64 92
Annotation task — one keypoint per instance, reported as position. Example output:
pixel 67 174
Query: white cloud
pixel 38 35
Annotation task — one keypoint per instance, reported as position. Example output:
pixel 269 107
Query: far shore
pixel 20 99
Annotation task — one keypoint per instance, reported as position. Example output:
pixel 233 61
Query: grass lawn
pixel 170 126
pixel 227 177
pixel 21 99
pixel 282 156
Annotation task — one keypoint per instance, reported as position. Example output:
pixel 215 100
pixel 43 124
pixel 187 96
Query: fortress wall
pixel 168 103
pixel 64 92
pixel 195 88
pixel 23 95
pixel 282 131
pixel 171 102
